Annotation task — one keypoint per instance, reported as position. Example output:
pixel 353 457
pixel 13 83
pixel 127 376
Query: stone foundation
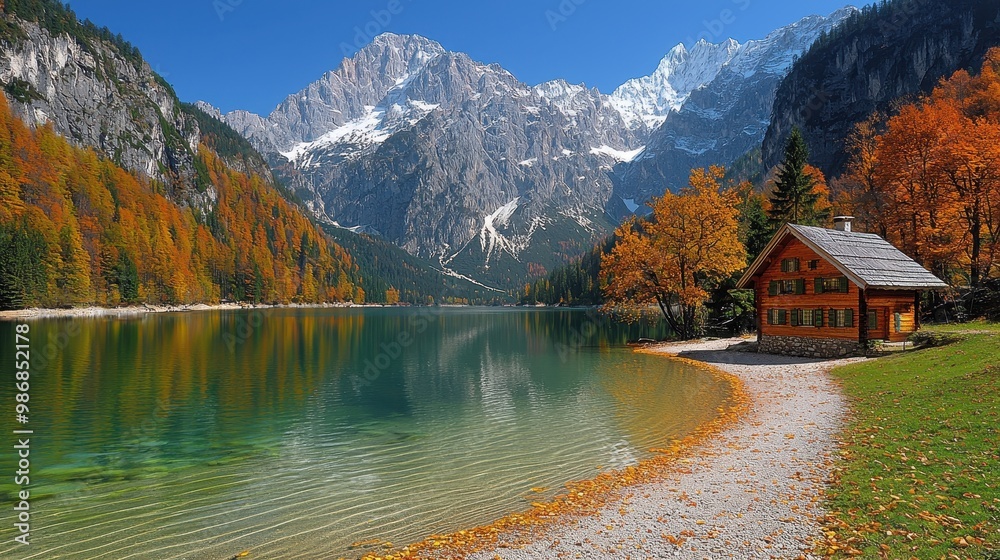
pixel 809 347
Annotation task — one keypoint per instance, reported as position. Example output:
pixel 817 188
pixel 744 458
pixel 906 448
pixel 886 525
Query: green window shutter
pixel 795 317
pixel 819 285
pixel 832 321
pixel 796 265
pixel 772 289
pixel 782 317
pixel 800 286
pixel 818 318
pixel 848 317
pixel 845 285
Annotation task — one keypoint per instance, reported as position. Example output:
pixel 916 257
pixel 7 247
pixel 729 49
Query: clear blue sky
pixel 251 54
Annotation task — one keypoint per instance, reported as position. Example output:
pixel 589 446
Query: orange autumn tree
pixel 928 178
pixel 77 229
pixel 858 191
pixel 671 260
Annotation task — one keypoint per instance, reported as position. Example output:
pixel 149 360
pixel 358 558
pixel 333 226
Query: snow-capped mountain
pixel 341 97
pixel 648 100
pixel 460 161
pixel 450 158
pixel 728 116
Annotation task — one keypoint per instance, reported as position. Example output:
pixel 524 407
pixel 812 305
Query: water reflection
pixel 296 433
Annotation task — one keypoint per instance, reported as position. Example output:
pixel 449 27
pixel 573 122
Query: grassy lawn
pixel 919 474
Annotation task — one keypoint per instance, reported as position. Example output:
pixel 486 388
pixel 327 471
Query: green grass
pixel 919 474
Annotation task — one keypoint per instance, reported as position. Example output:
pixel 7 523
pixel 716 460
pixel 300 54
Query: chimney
pixel 843 223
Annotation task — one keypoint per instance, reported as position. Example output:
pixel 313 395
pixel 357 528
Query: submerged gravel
pixel 753 491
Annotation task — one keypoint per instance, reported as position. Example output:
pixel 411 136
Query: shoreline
pixel 136 310
pixel 94 311
pixel 746 485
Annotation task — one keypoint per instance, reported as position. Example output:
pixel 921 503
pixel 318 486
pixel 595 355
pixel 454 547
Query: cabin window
pixel 813 264
pixel 833 285
pixel 790 265
pixel 873 320
pixel 777 317
pixel 899 322
pixel 787 287
pixel 842 318
pixel 807 318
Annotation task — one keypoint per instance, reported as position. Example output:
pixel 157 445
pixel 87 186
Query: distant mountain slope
pixel 728 116
pixel 95 89
pixel 451 159
pixel 885 52
pixel 459 162
pixel 650 99
pixel 77 229
pixel 383 266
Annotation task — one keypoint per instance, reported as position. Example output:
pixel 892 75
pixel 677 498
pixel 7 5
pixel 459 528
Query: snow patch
pixel 449 272
pixel 650 99
pixel 491 240
pixel 619 155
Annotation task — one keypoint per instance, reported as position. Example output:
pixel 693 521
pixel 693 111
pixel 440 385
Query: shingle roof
pixel 867 259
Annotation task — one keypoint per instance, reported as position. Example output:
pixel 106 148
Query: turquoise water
pixel 305 433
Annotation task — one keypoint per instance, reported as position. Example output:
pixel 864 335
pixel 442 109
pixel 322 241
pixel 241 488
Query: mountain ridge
pixel 882 53
pixel 428 153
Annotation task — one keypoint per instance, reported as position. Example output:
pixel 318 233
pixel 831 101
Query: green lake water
pixel 299 433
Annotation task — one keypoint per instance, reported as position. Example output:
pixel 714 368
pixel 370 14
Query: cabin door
pixel 879 323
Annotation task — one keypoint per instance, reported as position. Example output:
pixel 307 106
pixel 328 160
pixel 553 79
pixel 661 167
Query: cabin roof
pixel 866 259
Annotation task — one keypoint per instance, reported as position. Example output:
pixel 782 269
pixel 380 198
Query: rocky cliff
pixel 96 90
pixel 461 162
pixel 899 49
pixel 728 116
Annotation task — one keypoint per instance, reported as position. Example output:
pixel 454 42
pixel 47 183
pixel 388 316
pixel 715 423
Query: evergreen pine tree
pixel 756 227
pixel 794 199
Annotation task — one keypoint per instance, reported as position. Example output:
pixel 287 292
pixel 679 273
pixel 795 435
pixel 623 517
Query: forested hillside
pixel 389 274
pixel 926 178
pixel 575 283
pixel 75 229
pixel 887 51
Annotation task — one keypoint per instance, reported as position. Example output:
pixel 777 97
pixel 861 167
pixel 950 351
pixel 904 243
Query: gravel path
pixel 751 492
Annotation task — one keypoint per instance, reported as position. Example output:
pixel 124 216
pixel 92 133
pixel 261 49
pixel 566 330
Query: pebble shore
pixel 752 492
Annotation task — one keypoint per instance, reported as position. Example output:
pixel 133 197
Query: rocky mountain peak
pixel 460 161
pixel 340 96
pixel 648 100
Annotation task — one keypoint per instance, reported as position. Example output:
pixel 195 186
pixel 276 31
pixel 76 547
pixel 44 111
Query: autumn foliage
pixel 76 229
pixel 673 259
pixel 928 178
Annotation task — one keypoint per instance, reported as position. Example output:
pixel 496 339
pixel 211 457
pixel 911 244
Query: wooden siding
pixel 887 303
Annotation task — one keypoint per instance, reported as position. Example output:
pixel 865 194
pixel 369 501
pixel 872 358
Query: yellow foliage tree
pixel 392 296
pixel 672 260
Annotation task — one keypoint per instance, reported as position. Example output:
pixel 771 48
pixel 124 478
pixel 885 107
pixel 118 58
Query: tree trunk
pixel 976 229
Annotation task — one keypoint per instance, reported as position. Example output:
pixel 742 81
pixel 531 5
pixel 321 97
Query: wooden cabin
pixel 826 293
